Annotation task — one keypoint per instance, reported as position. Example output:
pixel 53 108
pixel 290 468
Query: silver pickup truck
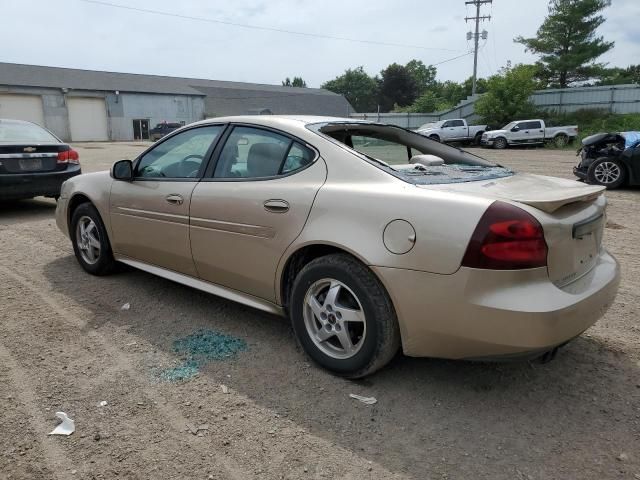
pixel 452 130
pixel 529 132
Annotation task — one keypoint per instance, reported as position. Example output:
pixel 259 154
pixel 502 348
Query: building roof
pixel 14 74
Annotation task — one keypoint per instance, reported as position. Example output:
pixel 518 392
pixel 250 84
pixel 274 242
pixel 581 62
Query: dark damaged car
pixel 33 161
pixel 610 159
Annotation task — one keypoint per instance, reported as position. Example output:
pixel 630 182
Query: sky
pixel 80 34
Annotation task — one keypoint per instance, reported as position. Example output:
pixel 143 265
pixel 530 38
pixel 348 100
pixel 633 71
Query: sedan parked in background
pixel 610 159
pixel 162 129
pixel 33 161
pixel 368 236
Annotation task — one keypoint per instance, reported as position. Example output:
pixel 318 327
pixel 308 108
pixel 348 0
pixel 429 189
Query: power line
pixel 257 27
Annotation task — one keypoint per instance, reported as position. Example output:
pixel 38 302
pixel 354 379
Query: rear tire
pixel 90 241
pixel 608 172
pixel 561 140
pixel 500 143
pixel 435 138
pixel 343 316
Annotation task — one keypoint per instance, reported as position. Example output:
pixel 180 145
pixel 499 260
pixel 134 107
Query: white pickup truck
pixel 529 132
pixel 452 130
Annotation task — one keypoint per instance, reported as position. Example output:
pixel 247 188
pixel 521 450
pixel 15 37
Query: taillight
pixel 69 156
pixel 506 238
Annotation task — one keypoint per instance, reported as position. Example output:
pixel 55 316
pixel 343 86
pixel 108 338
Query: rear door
pixel 536 131
pixel 251 206
pixel 150 215
pixel 458 130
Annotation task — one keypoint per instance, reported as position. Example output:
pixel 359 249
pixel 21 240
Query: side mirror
pixel 122 170
pixel 515 129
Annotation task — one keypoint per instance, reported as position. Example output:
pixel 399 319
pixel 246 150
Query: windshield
pixel 12 131
pixel 509 126
pixel 409 155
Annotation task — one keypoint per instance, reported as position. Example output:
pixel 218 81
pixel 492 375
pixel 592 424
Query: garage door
pixel 22 107
pixel 87 119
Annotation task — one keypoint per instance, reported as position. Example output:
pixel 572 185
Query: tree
pixel 567 42
pixel 423 75
pixel 619 76
pixel 508 95
pixel 397 87
pixel 297 82
pixel 358 88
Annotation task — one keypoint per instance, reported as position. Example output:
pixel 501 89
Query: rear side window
pixel 255 153
pixel 532 125
pixel 457 123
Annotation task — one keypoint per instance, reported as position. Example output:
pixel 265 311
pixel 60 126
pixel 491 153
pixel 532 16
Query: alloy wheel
pixel 88 240
pixel 607 173
pixel 334 319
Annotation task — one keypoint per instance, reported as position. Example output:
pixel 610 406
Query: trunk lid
pixel 572 216
pixel 26 158
pixel 544 193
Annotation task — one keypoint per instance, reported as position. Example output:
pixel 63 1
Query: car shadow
pixel 21 211
pixel 433 418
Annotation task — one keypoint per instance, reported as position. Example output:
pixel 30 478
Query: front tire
pixel 343 316
pixel 500 143
pixel 608 172
pixel 90 241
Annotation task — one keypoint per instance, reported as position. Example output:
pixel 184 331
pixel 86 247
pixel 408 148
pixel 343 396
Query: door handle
pixel 174 199
pixel 276 206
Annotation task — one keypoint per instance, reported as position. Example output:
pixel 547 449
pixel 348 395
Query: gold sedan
pixel 370 237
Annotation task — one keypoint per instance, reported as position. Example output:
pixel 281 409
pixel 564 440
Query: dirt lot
pixel 66 345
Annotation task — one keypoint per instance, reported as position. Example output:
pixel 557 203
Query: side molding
pixel 218 290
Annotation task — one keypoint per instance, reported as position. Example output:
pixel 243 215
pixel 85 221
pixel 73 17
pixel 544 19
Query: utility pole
pixel 476 36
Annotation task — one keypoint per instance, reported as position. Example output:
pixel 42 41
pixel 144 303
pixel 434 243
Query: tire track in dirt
pixel 56 461
pixel 267 456
pixel 176 419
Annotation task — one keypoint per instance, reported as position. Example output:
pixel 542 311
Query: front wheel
pixel 500 143
pixel 90 241
pixel 608 172
pixel 343 317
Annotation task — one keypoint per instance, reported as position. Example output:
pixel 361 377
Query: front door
pixel 520 134
pixel 252 206
pixel 455 130
pixel 150 215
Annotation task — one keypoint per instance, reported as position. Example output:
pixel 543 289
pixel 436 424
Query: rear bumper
pixel 483 313
pixel 29 185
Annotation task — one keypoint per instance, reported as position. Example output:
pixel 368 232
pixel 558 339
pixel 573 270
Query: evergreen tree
pixel 567 42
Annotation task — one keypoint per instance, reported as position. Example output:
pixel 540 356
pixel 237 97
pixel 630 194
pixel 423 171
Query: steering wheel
pixel 194 172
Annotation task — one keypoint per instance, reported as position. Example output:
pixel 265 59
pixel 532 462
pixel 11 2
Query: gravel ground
pixel 66 345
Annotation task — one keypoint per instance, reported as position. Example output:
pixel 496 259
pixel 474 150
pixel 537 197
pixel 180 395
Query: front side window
pixel 181 156
pixel 255 153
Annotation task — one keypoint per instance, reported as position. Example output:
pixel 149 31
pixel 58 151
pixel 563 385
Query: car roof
pixel 279 119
